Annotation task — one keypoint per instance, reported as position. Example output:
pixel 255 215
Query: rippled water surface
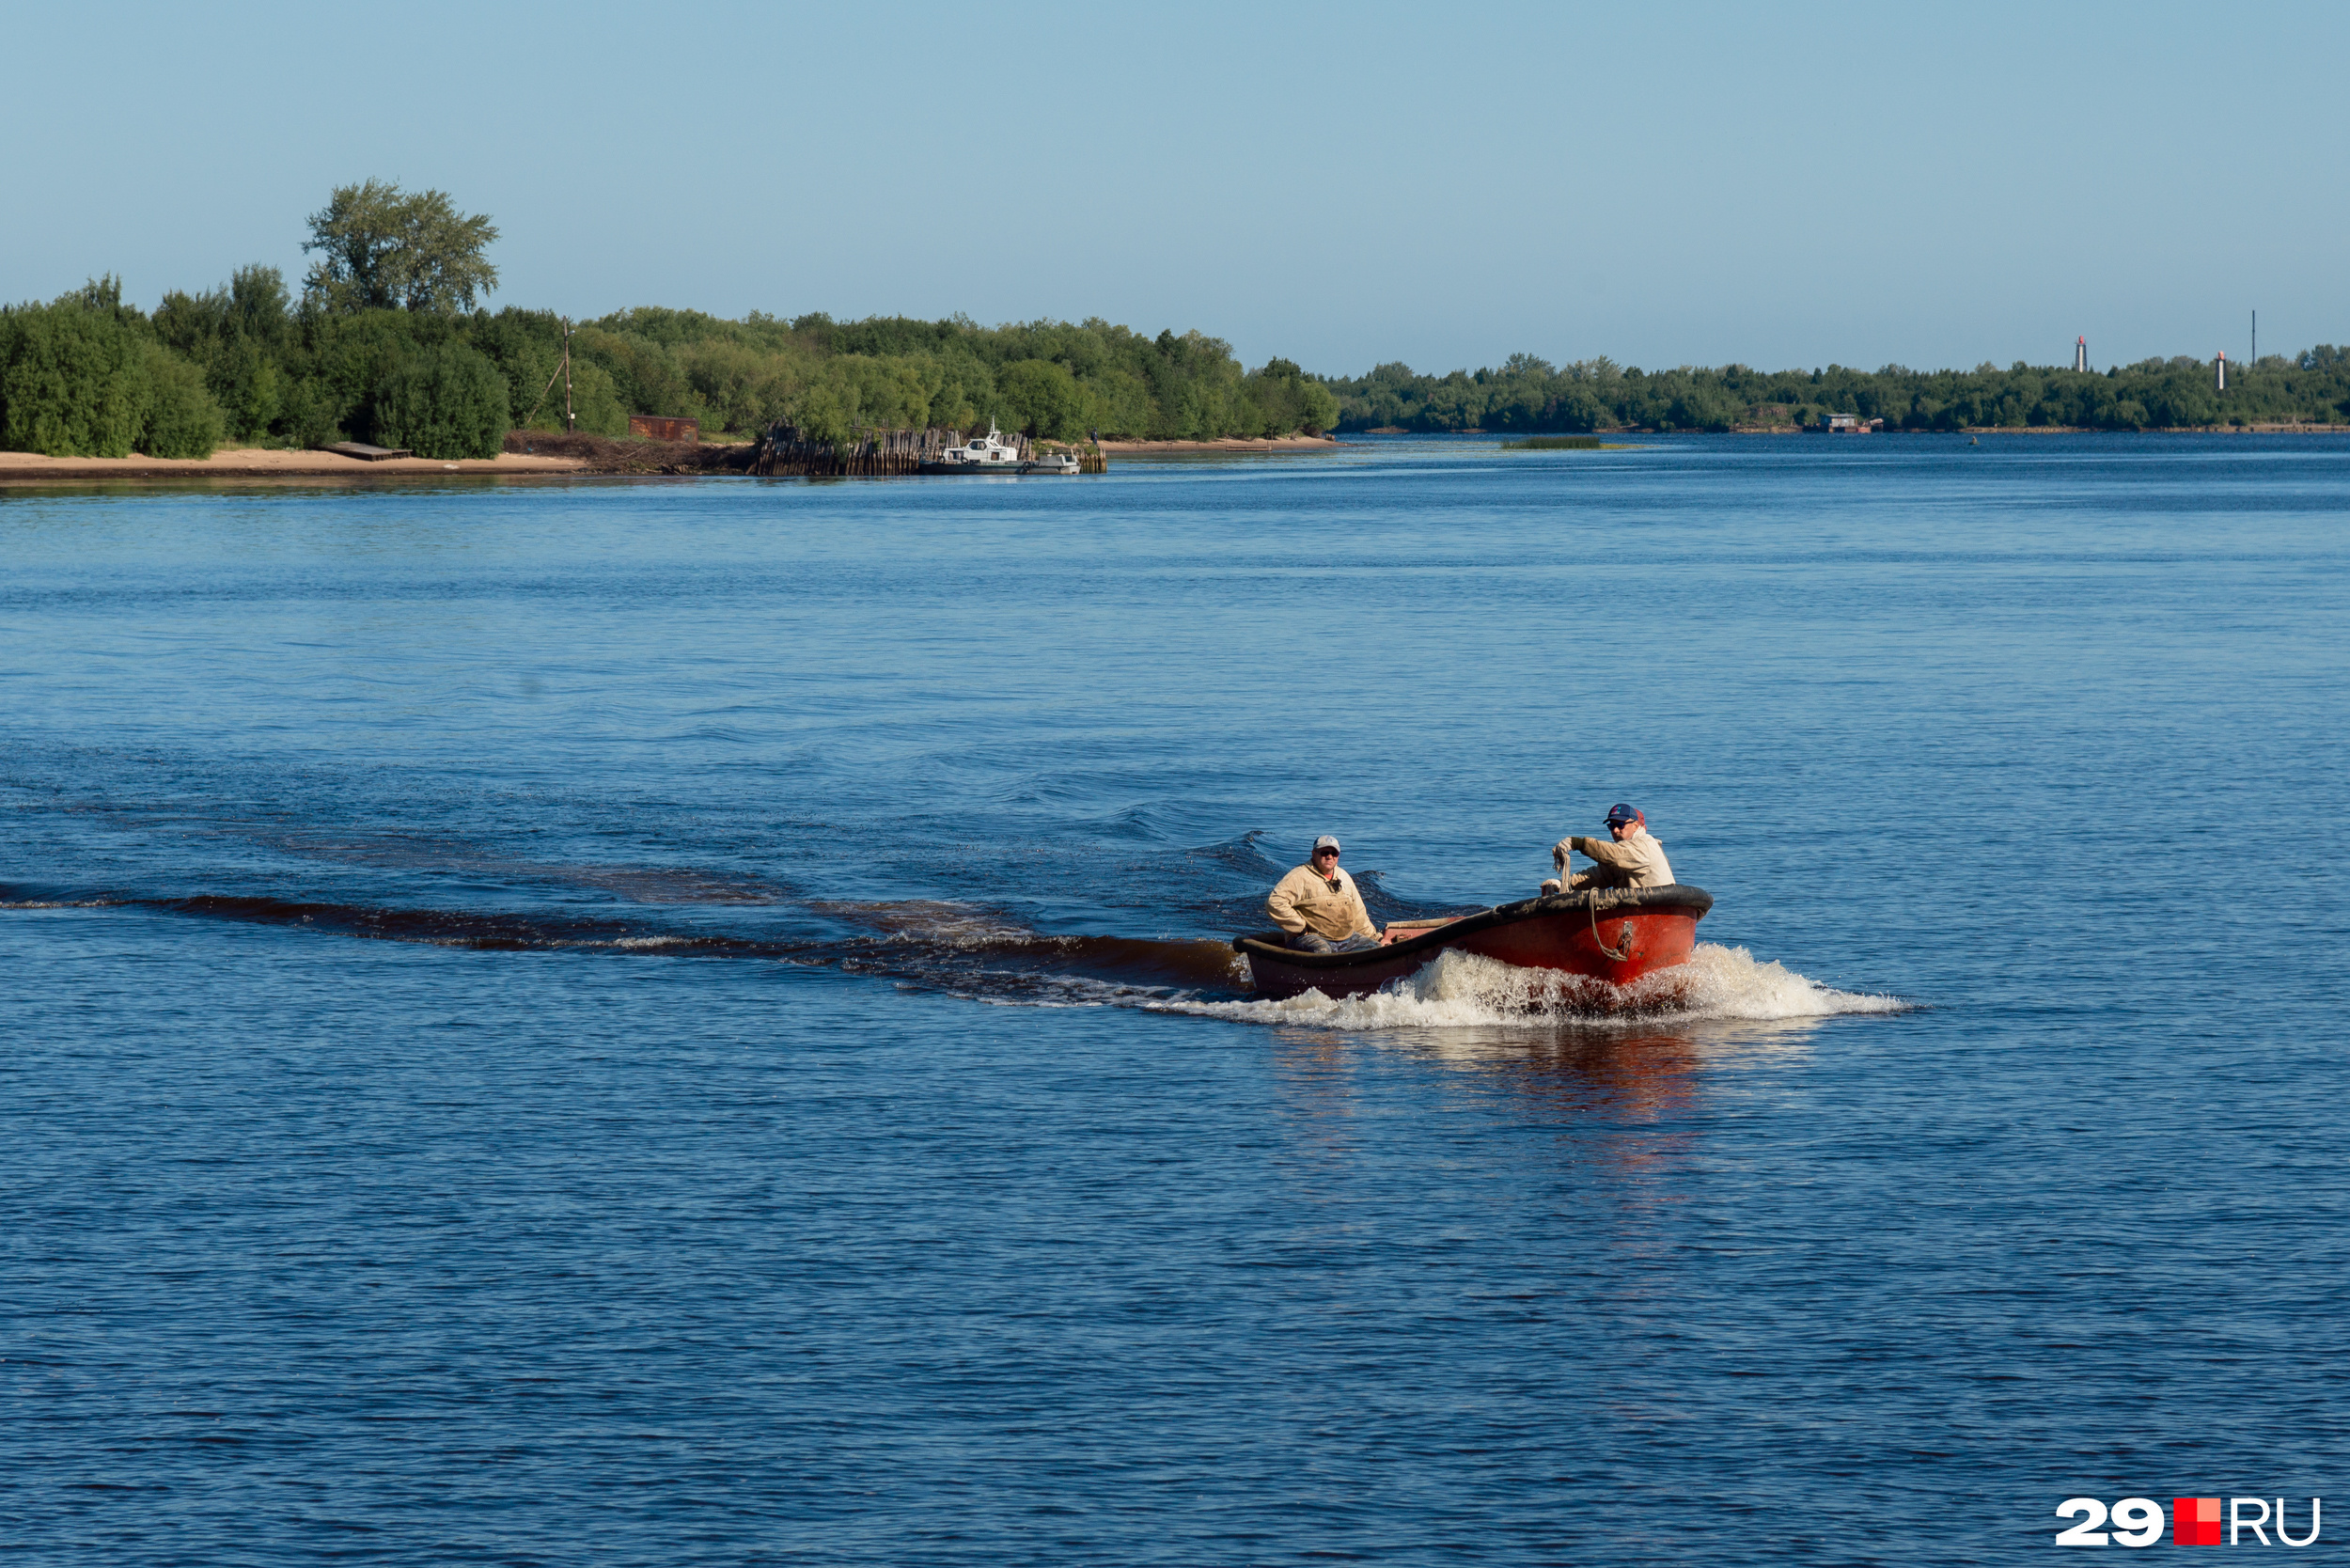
pixel 692 1022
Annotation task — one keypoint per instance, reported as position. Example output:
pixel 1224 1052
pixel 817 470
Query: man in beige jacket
pixel 1317 907
pixel 1627 858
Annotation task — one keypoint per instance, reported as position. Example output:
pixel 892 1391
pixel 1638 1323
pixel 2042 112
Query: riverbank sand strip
pixel 256 462
pixel 1281 443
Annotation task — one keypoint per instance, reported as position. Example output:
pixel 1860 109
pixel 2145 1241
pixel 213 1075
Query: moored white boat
pixel 990 454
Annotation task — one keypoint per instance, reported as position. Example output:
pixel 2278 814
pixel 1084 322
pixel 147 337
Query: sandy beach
pixel 260 463
pixel 1281 443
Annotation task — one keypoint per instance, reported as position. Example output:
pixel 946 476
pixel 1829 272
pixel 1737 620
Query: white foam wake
pixel 1457 989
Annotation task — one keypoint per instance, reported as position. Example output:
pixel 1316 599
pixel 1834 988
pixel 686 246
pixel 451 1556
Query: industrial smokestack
pixel 2220 367
pixel 2081 353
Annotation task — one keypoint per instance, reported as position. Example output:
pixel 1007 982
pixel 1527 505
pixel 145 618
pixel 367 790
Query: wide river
pixel 692 1022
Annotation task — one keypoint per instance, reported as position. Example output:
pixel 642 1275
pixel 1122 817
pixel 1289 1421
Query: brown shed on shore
pixel 660 429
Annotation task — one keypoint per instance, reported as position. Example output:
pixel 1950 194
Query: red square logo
pixel 2194 1521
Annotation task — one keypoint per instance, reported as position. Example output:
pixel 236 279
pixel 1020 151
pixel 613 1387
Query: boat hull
pixel 1652 928
pixel 996 469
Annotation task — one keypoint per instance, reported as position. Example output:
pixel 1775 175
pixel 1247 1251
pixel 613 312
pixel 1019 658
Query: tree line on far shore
pixel 1528 395
pixel 387 343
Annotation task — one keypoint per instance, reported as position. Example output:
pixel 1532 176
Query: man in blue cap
pixel 1627 858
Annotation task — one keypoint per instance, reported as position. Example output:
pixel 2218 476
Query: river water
pixel 692 1022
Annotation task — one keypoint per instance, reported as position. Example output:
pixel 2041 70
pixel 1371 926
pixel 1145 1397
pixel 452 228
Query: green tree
pixel 237 336
pixel 74 380
pixel 965 386
pixel 1291 401
pixel 379 249
pixel 1041 398
pixel 646 374
pixel 339 366
pixel 821 414
pixel 180 418
pixel 444 401
pixel 256 304
pixel 743 389
pixel 1699 407
pixel 245 382
pixel 526 346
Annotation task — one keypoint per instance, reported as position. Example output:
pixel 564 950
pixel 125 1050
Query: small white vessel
pixel 987 454
pixel 984 451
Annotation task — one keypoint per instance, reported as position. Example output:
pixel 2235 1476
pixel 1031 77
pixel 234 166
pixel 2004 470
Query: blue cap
pixel 1620 812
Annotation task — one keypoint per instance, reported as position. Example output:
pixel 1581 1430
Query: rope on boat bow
pixel 1591 897
pixel 1624 935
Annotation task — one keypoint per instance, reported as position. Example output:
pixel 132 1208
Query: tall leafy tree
pixel 72 378
pixel 381 248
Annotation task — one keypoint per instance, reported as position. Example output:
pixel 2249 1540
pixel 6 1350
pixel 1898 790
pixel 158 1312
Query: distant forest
pixel 245 364
pixel 1528 395
pixel 387 343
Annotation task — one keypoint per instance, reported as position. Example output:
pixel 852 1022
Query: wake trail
pixel 984 955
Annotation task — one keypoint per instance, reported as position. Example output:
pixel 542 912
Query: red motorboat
pixel 1615 934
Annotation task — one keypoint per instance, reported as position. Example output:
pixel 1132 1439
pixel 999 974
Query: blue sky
pixel 1344 185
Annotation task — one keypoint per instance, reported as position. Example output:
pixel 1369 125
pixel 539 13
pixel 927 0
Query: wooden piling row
pixel 786 450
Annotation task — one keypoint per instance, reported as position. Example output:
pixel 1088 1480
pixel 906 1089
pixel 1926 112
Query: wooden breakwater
pixel 787 451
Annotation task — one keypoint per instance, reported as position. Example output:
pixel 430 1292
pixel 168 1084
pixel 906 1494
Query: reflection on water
pixel 1585 1067
pixel 1625 1100
pixel 1610 1052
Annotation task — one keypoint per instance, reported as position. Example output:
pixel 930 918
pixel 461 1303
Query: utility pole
pixel 567 422
pixel 2255 362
